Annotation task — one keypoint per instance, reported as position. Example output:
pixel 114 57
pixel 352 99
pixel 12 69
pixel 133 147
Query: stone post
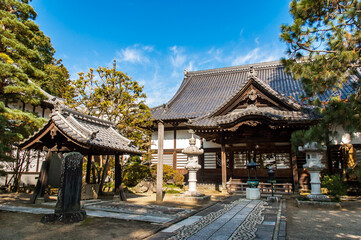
pixel 314 154
pixel 68 209
pixel 192 166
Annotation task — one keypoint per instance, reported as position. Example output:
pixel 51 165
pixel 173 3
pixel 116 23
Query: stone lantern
pixel 314 154
pixel 192 166
pixel 252 192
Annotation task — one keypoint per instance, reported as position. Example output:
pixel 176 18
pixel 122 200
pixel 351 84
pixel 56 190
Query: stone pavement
pixel 119 210
pixel 233 218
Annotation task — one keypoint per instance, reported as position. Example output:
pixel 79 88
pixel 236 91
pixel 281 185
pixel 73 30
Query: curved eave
pixel 28 142
pixel 89 145
pixel 84 145
pixel 215 123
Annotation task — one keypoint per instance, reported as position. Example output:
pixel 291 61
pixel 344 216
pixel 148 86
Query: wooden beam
pixel 43 178
pixel 159 196
pixel 175 148
pixel 117 174
pixel 118 189
pixel 88 168
pixel 224 163
pixel 294 171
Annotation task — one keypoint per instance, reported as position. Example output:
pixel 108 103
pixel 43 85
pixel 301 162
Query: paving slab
pixel 185 222
pixel 10 208
pixel 216 225
pixel 124 216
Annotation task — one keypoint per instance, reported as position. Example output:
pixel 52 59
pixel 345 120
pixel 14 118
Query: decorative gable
pixel 257 94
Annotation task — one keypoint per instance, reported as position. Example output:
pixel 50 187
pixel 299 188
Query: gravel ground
pixel 321 223
pixel 16 226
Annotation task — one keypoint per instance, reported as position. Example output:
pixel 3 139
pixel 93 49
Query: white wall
pixel 210 144
pixel 183 137
pixel 168 140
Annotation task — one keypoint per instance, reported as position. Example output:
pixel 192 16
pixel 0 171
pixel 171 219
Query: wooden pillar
pixel 38 162
pixel 294 171
pixel 43 178
pixel 159 196
pixel 117 174
pixel 175 148
pixel 118 188
pixel 88 168
pixel 224 163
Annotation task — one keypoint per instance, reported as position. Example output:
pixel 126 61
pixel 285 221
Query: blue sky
pixel 154 41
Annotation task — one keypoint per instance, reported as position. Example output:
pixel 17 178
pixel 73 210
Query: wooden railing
pixel 279 188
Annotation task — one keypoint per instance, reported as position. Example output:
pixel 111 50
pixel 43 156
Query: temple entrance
pixel 267 156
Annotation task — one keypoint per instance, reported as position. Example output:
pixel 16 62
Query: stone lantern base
pixel 195 199
pixel 318 197
pixel 253 193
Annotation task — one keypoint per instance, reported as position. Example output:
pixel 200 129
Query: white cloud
pixel 242 59
pixel 160 96
pixel 161 70
pixel 130 55
pixel 177 59
pixel 190 66
pixel 148 48
pixel 134 54
pixel 257 55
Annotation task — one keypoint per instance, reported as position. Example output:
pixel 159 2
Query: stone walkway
pixel 119 210
pixel 234 218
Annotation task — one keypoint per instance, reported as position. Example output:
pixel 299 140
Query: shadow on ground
pixel 323 223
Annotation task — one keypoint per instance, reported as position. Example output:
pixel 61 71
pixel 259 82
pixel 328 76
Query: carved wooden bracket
pixel 53 133
pixel 249 123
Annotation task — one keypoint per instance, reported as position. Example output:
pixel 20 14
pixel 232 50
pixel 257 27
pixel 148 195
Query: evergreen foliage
pixel 112 95
pixel 335 185
pixel 134 172
pixel 168 172
pixel 26 59
pixel 178 179
pixel 324 53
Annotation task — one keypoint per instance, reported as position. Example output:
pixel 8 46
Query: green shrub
pixel 135 172
pixel 178 179
pixel 168 172
pixel 335 185
pixel 356 174
pixel 172 191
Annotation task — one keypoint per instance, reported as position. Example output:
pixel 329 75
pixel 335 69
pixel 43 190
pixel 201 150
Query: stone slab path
pixel 234 218
pixel 119 210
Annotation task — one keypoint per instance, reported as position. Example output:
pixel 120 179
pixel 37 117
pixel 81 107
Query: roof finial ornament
pixel 57 106
pixel 252 73
pixel 165 107
pixel 185 73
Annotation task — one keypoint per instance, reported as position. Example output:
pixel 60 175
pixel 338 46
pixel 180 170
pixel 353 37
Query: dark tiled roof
pixel 267 112
pixel 203 92
pixel 87 130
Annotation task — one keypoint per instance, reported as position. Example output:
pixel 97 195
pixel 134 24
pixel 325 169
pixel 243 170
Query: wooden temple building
pixel 71 131
pixel 239 114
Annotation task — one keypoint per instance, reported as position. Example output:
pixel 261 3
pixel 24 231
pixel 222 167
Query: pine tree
pixel 324 53
pixel 26 55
